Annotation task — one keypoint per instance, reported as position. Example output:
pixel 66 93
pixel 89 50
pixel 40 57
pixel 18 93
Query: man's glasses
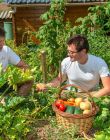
pixel 72 52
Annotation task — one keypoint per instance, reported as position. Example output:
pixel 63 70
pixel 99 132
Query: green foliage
pixel 45 100
pixel 21 50
pixel 102 121
pixel 96 26
pixel 103 135
pixel 14 76
pixel 18 115
pixel 1 1
pixel 97 18
pixel 99 45
pixel 54 33
pixel 13 123
pixel 31 56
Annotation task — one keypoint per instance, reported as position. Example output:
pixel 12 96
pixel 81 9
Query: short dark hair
pixel 2 32
pixel 79 41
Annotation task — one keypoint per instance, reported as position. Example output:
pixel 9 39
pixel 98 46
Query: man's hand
pixel 41 87
pixel 22 65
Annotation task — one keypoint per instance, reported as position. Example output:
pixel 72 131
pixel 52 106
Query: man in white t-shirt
pixel 8 56
pixel 82 69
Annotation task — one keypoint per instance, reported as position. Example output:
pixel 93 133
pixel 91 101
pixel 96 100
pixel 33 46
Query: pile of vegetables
pixel 76 105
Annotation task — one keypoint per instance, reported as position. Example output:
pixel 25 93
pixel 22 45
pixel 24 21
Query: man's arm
pixel 14 59
pixel 57 81
pixel 54 83
pixel 106 87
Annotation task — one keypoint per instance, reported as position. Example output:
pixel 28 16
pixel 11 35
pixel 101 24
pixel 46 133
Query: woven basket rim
pixel 95 109
pixel 24 82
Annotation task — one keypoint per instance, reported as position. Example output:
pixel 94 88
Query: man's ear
pixel 84 50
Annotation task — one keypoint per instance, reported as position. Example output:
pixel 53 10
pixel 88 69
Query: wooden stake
pixel 60 73
pixel 44 70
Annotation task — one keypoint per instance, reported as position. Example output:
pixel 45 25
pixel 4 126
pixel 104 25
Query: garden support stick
pixel 2 95
pixel 60 73
pixel 43 60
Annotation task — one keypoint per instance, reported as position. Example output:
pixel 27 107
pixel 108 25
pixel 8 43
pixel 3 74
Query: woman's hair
pixel 2 32
pixel 79 41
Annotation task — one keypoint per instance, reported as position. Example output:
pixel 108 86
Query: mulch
pixel 43 125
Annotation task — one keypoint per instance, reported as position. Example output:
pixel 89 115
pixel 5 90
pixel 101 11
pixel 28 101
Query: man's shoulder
pixel 66 60
pixel 6 48
pixel 97 58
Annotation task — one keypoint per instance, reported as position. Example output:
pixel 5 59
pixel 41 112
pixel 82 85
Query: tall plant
pixel 54 32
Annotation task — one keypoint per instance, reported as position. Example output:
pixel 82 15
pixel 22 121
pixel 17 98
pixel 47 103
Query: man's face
pixel 2 42
pixel 73 53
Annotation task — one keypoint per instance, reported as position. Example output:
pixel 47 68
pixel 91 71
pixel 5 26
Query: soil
pixel 39 131
pixel 40 128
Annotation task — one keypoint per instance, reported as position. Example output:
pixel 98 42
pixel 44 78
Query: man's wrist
pixel 49 85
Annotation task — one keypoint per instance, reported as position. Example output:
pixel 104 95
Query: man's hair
pixel 79 41
pixel 2 32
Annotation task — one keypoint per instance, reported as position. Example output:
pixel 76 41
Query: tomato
pixel 62 107
pixel 58 102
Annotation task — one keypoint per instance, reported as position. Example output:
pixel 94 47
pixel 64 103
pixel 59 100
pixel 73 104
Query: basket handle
pixel 72 85
pixel 69 85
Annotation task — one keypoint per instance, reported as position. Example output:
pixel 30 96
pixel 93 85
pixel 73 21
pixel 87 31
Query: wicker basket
pixel 81 122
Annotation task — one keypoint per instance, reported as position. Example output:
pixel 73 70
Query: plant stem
pixel 1 97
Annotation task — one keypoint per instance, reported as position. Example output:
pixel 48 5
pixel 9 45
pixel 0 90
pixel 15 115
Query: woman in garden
pixel 82 69
pixel 8 56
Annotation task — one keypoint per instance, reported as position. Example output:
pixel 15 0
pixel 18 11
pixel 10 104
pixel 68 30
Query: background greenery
pixel 53 35
pixel 1 1
pixel 55 31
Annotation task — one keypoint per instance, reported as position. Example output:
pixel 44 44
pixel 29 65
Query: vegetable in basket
pixel 70 109
pixel 62 107
pixel 58 102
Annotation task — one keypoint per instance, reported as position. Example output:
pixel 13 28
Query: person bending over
pixel 8 56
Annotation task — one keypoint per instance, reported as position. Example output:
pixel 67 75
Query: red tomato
pixel 62 107
pixel 58 103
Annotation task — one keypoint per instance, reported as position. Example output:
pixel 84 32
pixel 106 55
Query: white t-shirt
pixel 86 76
pixel 7 56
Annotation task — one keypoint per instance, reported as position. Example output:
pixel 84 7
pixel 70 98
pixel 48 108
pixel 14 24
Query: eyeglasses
pixel 72 52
